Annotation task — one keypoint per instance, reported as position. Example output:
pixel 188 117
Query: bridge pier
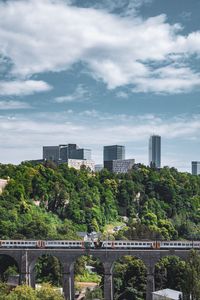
pixel 108 281
pixel 32 278
pixel 150 281
pixel 68 281
pixel 24 269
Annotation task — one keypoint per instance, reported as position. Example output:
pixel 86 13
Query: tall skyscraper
pixel 113 152
pixel 155 151
pixel 195 167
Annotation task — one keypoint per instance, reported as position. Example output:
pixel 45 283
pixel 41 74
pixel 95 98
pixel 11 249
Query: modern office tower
pixel 114 159
pixel 155 151
pixel 51 153
pixel 195 167
pixel 113 152
pixel 81 154
pixel 63 153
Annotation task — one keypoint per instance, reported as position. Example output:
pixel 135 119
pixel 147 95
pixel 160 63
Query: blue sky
pixel 100 72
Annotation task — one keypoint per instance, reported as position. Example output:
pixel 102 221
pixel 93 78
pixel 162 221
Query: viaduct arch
pixel 26 260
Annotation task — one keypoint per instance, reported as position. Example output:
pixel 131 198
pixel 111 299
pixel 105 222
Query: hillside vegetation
pixel 49 201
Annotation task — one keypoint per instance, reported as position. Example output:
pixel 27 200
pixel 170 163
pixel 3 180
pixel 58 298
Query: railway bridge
pixel 26 260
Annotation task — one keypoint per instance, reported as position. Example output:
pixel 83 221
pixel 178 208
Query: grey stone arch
pixel 96 254
pixel 33 257
pixel 15 256
pixel 148 260
pixel 152 259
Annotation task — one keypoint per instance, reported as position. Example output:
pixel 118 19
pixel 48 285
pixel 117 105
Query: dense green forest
pixel 49 201
pixel 45 201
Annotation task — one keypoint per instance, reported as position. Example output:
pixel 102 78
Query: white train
pixel 70 244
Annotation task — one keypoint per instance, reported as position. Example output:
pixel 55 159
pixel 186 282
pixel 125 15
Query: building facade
pixel 98 167
pixel 195 167
pixel 51 153
pixel 114 159
pixel 78 163
pixel 155 151
pixel 122 165
pixel 62 153
pixel 113 152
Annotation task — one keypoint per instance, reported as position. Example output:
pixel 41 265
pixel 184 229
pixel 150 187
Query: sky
pixel 100 73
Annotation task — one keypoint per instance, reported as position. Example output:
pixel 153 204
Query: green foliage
pixel 191 283
pixel 48 269
pixel 4 290
pixel 165 203
pixel 47 292
pixel 83 275
pixel 169 273
pixel 24 292
pixel 95 294
pixel 88 277
pixel 129 279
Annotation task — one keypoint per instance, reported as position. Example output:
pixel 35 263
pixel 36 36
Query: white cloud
pixel 41 36
pixel 169 80
pixel 122 94
pixel 30 134
pixel 22 88
pixel 11 104
pixel 79 95
pixel 125 7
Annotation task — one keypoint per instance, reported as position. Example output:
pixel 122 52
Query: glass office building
pixel 195 167
pixel 155 151
pixel 113 152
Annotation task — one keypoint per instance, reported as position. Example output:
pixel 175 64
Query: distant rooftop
pixel 168 293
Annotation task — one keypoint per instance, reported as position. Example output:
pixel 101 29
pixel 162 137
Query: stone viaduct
pixel 26 260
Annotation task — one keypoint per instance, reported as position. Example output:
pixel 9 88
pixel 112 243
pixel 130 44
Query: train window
pixel 140 243
pixel 144 243
pixel 63 243
pixel 136 244
pixel 179 244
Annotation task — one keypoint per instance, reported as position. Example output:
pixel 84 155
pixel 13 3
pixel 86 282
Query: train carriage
pixel 90 244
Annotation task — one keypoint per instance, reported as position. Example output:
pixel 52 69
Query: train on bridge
pixel 90 244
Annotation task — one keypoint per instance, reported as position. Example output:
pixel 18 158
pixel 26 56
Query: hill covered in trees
pixel 49 201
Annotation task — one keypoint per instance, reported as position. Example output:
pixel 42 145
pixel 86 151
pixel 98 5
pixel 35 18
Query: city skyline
pixel 114 72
